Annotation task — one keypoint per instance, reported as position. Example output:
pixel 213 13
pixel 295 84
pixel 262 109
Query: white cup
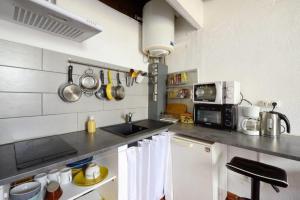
pixel 92 171
pixel 42 178
pixel 65 175
pixel 54 175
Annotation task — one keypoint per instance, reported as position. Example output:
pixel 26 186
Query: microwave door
pixel 210 118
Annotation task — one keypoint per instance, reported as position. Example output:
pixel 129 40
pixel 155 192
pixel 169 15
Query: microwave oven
pixel 219 92
pixel 219 116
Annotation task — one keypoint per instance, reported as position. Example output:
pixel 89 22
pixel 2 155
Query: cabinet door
pixel 192 169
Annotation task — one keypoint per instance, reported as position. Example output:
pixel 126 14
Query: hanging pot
pixel 119 91
pixel 69 92
pixel 109 86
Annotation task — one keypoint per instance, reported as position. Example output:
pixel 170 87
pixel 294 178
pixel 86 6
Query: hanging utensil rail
pixel 96 66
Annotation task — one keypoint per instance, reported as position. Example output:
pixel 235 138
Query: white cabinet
pixel 198 169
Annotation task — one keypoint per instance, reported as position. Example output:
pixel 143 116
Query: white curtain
pixel 149 175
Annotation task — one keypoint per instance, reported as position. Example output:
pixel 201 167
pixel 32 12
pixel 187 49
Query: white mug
pixel 65 175
pixel 92 171
pixel 53 175
pixel 42 178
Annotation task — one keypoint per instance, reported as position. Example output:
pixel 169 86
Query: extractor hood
pixel 47 17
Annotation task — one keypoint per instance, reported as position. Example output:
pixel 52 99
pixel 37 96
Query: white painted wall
pixel 254 42
pixel 118 44
pixel 186 55
pixel 191 10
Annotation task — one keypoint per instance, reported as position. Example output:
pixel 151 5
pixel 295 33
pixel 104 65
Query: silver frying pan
pixel 69 92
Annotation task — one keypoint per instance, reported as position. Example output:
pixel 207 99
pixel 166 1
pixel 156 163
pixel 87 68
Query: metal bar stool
pixel 258 172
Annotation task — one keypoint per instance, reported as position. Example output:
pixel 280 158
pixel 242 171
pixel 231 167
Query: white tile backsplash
pixel 30 106
pixel 20 104
pixel 103 118
pixel 136 101
pixel 52 104
pixel 25 80
pixel 16 129
pixel 13 54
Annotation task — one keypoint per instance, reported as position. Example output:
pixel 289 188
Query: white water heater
pixel 158 28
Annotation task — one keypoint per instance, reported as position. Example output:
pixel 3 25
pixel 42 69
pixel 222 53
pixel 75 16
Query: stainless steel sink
pixel 125 129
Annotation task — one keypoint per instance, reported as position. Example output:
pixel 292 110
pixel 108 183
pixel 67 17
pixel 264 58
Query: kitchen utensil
pixel 92 171
pixel 134 74
pixel 101 93
pixel 80 180
pixel 270 123
pixel 89 82
pixel 69 92
pixel 43 180
pixel 66 175
pixel 119 89
pixel 140 77
pixel 25 191
pixel 53 191
pixel 109 86
pixel 128 79
pixel 54 175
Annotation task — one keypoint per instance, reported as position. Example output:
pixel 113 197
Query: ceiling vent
pixel 47 17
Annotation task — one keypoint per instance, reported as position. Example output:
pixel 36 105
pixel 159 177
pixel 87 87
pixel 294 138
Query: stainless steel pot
pixel 69 92
pixel 270 123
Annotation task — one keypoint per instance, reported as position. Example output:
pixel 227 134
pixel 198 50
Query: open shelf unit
pixel 71 191
pixel 107 186
pixel 182 87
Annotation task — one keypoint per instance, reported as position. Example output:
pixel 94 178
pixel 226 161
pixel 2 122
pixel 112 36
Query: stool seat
pixel 259 171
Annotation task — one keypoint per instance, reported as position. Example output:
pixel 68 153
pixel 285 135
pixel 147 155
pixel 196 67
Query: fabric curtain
pixel 149 169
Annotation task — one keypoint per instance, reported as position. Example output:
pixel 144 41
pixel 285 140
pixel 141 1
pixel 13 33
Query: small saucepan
pixel 109 86
pixel 119 91
pixel 69 92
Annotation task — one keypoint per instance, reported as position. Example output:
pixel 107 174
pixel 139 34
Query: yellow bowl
pixel 80 180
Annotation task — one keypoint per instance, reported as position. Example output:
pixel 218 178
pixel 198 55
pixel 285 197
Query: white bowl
pixel 25 191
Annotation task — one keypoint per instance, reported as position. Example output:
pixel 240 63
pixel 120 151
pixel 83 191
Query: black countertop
pixel 286 146
pixel 86 145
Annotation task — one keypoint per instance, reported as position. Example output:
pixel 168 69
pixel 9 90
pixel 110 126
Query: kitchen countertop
pixel 86 145
pixel 286 146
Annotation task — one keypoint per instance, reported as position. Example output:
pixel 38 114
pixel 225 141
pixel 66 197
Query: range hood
pixel 47 17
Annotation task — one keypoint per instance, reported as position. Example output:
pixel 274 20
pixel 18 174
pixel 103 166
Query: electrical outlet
pixel 268 103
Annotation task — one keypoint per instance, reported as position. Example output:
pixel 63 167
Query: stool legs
pixel 255 189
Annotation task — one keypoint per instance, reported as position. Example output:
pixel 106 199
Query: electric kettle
pixel 270 123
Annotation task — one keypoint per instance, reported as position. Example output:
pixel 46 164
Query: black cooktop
pixel 33 152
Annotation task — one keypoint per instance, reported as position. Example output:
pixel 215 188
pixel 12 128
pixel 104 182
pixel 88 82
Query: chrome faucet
pixel 128 117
